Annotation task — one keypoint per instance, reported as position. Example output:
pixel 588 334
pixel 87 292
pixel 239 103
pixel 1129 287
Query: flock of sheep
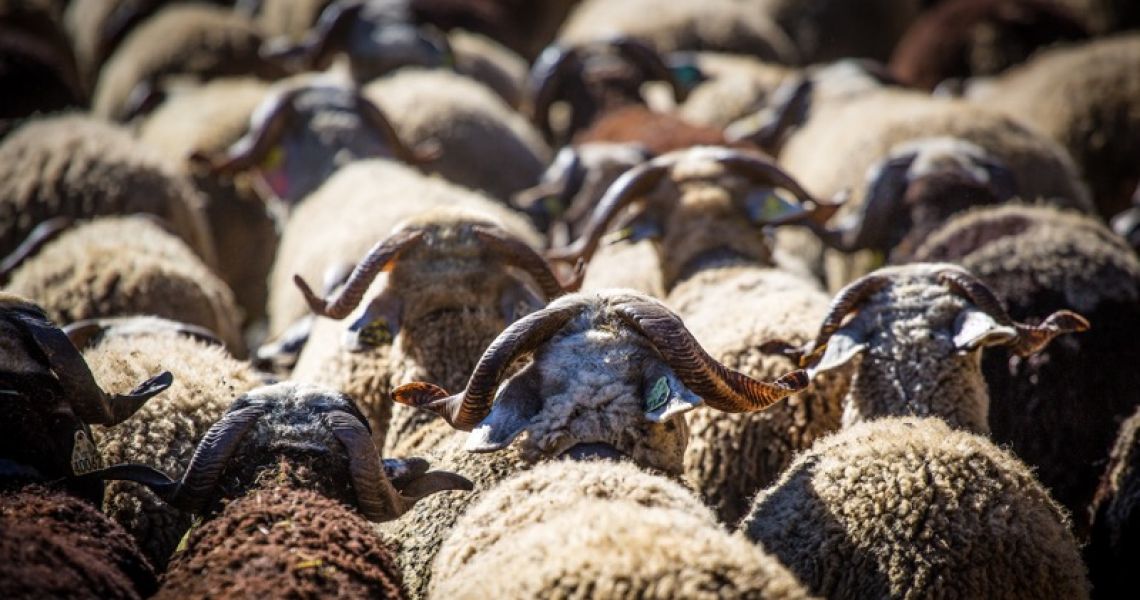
pixel 569 298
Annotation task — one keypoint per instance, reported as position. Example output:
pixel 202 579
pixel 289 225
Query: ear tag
pixel 767 207
pixel 376 333
pixel 658 395
pixel 84 456
pixel 273 172
pixel 553 206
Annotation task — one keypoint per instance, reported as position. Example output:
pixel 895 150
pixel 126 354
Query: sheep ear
pixel 516 404
pixel 974 328
pixel 844 345
pixel 518 301
pixel 664 396
pixel 378 325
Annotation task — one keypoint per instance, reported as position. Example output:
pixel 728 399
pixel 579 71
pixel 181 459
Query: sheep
pixel 455 279
pixel 1098 120
pixel 1114 517
pixel 611 373
pixel 920 330
pixel 734 85
pixel 208 120
pixel 827 30
pixel 909 507
pixel 55 545
pixel 36 56
pixel 298 460
pixel 77 166
pixel 117 266
pixel 964 38
pixel 712 25
pixel 485 145
pixel 1037 260
pixel 194 42
pixel 164 433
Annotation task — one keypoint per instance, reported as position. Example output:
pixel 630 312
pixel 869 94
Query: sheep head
pixel 915 189
pixel 920 330
pixel 439 260
pixel 49 397
pixel 378 37
pixel 614 369
pixel 594 78
pixel 301 134
pixel 701 203
pixel 301 424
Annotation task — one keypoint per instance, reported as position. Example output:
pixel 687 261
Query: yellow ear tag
pixel 273 158
pixel 376 333
pixel 658 395
pixel 84 456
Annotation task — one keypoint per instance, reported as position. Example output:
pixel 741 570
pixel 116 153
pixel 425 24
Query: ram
pixel 610 374
pixel 1038 260
pixel 286 483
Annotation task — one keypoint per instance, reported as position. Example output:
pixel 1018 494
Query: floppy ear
pixel 974 328
pixel 842 346
pixel 663 395
pixel 517 402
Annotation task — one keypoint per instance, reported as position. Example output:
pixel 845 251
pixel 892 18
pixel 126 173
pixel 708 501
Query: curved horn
pixel 544 82
pixel 377 497
pixel 883 196
pixel 721 387
pixel 632 184
pixel 39 237
pixel 82 332
pixel 515 252
pixel 90 403
pixel 253 147
pixel 762 170
pixel 376 118
pixel 1030 338
pixel 377 259
pixel 466 409
pixel 846 301
pixel 650 62
pixel 329 35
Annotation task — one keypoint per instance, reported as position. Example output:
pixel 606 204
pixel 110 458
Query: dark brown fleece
pixel 1114 542
pixel 658 132
pixel 53 545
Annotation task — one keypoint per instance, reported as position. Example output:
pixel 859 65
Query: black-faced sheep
pixel 1115 537
pixel 79 167
pixel 610 375
pixel 119 266
pixel 596 529
pixel 911 508
pixel 180 44
pixel 296 457
pixel 164 433
pixel 1087 98
pixel 455 279
pixel 1038 260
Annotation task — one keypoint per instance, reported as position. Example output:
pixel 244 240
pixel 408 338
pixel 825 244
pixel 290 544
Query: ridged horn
pixel 845 302
pixel 515 252
pixel 348 298
pixel 466 409
pixel 1030 338
pixel 760 169
pixel 721 388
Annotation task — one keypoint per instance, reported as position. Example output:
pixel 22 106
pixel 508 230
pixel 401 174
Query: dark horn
pixel 515 252
pixel 348 298
pixel 650 62
pixel 845 302
pixel 82 332
pixel 376 119
pixel 466 409
pixel 39 237
pixel 544 83
pixel 761 170
pixel 211 456
pixel 721 388
pixel 254 146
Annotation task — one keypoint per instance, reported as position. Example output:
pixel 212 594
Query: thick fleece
pixel 77 166
pixel 484 143
pixel 165 431
pixel 55 545
pixel 619 549
pixel 282 539
pixel 1087 98
pixel 192 41
pixel 1115 512
pixel 736 86
pixel 121 266
pixel 731 311
pixel 1037 260
pixel 910 508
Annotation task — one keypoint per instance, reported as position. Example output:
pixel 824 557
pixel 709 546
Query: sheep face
pixel 919 330
pixel 610 374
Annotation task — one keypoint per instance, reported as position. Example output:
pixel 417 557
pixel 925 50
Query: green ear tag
pixel 658 395
pixel 84 456
pixel 376 333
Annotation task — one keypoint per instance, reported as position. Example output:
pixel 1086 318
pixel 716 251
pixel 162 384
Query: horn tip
pixel 1068 321
pixel 315 303
pixel 794 381
pixel 418 394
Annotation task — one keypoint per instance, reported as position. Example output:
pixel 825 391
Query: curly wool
pixel 732 311
pixel 74 165
pixel 283 540
pixel 909 508
pixel 120 266
pixel 1086 98
pixel 1115 538
pixel 624 265
pixel 198 41
pixel 53 545
pixel 1037 260
pixel 165 431
pixel 485 144
pixel 619 549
